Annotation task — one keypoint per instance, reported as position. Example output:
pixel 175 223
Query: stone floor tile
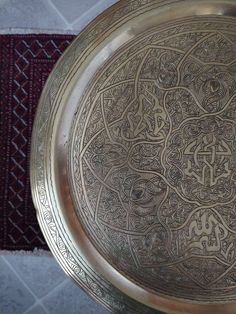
pixel 29 14
pixel 15 298
pixel 40 273
pixel 72 300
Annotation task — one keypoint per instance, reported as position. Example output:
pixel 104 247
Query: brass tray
pixel 133 164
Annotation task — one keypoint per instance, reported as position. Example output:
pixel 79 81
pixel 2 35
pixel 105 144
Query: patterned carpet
pixel 25 63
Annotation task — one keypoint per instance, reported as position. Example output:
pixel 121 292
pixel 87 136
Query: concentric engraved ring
pixel 133 157
pixel 156 160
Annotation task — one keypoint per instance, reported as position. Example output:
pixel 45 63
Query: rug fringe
pixel 13 31
pixel 35 252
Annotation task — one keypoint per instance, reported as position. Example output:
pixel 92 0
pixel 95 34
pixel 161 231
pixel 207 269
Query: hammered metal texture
pixel 155 160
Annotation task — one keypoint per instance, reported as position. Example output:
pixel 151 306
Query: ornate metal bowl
pixel 133 165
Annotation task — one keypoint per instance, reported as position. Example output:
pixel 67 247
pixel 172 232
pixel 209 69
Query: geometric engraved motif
pixel 154 160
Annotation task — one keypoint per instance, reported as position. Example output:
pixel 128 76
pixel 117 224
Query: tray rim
pixel 38 162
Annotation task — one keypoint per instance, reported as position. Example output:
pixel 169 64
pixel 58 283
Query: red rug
pixel 25 63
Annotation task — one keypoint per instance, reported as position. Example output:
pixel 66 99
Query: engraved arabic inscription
pixel 154 161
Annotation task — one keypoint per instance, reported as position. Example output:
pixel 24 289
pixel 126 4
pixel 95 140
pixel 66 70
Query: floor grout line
pixel 61 284
pixel 88 12
pixel 32 306
pixel 37 300
pixel 83 15
pixel 91 14
pixel 59 13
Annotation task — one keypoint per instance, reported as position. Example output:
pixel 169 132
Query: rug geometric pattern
pixel 25 63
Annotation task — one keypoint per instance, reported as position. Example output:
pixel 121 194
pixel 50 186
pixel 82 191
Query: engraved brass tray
pixel 133 165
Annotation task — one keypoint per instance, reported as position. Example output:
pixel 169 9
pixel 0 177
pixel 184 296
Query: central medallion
pixel 153 160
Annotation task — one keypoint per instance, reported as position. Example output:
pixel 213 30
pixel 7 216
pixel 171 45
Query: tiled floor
pixel 55 15
pixel 36 284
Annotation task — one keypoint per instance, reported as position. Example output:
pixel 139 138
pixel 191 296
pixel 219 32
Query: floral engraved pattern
pixel 157 169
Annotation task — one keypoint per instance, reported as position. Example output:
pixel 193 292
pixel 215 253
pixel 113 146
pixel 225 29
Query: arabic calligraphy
pixel 204 159
pixel 155 160
pixel 147 122
pixel 206 234
pixel 212 156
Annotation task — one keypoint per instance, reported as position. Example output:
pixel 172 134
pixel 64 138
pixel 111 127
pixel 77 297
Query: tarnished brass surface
pixel 133 166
